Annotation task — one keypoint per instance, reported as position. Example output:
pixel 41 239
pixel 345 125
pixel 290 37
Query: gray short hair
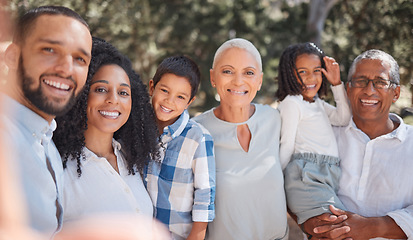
pixel 238 43
pixel 375 54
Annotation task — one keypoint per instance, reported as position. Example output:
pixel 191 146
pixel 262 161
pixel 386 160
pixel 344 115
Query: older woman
pixel 250 199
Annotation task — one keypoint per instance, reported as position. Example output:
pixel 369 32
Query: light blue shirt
pixel 30 136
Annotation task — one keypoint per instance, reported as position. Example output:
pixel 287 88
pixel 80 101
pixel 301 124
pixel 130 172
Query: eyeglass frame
pixel 373 82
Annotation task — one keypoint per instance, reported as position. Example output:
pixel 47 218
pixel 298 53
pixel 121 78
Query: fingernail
pixel 347 229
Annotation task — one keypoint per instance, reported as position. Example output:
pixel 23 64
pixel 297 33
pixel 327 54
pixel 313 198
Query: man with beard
pixel 48 65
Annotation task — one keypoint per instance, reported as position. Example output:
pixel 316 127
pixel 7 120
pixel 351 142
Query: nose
pixel 112 97
pixel 237 79
pixel 370 89
pixel 64 66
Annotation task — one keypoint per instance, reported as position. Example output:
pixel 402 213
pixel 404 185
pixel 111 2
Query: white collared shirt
pixel 100 189
pixel 30 135
pixel 377 175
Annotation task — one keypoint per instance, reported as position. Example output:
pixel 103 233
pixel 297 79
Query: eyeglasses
pixel 378 83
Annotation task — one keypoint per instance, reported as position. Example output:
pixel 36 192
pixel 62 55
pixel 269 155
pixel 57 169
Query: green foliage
pixel 150 30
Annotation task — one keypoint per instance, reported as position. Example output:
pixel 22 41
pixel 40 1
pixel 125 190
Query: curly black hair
pixel 288 73
pixel 139 135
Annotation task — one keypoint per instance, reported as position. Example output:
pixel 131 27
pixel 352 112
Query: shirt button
pixel 137 210
pixel 146 179
pixel 127 190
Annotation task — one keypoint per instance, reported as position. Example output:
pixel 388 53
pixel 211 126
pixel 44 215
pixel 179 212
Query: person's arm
pixel 204 179
pixel 290 117
pixel 198 231
pixel 341 114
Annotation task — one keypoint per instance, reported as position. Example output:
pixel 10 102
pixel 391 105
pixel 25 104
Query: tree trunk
pixel 318 12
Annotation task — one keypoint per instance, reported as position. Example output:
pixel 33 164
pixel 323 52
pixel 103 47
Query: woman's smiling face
pixel 109 102
pixel 237 77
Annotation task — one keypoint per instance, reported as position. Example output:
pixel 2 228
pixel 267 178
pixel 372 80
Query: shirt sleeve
pixel 404 218
pixel 290 117
pixel 340 115
pixel 204 180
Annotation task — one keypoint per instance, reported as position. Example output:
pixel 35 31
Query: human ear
pixel 396 94
pixel 12 56
pixel 151 87
pixel 260 81
pixel 211 77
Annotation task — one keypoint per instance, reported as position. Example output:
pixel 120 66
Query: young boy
pixel 182 185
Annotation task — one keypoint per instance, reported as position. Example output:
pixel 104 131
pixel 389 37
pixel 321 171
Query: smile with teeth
pixel 111 114
pixel 165 109
pixel 368 102
pixel 237 92
pixel 310 86
pixel 57 85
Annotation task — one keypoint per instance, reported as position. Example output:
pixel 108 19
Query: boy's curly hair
pixel 288 74
pixel 139 135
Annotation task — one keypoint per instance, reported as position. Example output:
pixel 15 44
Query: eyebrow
pixel 107 82
pixel 182 93
pixel 243 68
pixel 54 42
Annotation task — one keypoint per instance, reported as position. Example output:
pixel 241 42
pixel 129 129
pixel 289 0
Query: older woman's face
pixel 237 77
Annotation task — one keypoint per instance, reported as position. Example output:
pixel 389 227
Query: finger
pixel 337 211
pixel 327 217
pixel 333 231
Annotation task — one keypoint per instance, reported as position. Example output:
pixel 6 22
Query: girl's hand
pixel 332 71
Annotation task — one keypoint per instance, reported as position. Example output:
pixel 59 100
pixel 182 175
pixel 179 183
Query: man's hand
pixel 365 228
pixel 327 226
pixel 332 71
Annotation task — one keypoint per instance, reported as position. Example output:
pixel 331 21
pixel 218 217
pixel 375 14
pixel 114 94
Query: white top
pixel 306 127
pixel 100 189
pixel 250 199
pixel 377 175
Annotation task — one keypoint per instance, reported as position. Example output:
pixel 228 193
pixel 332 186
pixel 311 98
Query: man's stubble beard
pixel 37 98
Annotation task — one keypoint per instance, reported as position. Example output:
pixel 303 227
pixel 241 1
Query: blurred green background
pixel 149 30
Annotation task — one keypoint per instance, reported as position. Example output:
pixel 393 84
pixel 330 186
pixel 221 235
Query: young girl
pixel 308 148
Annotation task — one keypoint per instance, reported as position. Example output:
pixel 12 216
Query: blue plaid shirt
pixel 182 186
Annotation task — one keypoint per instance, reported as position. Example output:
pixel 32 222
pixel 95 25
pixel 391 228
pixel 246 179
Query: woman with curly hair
pixel 106 139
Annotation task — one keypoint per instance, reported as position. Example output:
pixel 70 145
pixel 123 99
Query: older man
pixel 48 62
pixel 376 151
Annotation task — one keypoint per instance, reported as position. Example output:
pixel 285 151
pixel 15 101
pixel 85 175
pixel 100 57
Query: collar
pixel 400 132
pixel 176 128
pixel 34 123
pixel 89 155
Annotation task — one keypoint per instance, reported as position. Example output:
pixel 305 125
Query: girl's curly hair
pixel 139 135
pixel 288 73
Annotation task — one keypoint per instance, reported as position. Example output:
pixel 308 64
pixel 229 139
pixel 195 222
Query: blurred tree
pixel 150 30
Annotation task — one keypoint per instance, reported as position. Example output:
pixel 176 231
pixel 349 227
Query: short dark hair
pixel 26 21
pixel 138 136
pixel 182 66
pixel 288 73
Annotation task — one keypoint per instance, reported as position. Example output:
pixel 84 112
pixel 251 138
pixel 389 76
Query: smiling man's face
pixel 368 103
pixel 53 64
